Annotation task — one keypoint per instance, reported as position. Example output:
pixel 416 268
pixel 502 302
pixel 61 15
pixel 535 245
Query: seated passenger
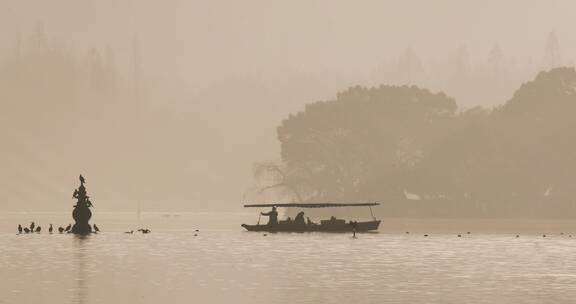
pixel 299 219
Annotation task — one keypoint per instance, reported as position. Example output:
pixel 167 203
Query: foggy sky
pixel 237 68
pixel 203 41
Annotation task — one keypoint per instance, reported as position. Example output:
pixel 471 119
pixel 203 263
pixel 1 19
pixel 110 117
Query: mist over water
pixel 456 117
pixel 179 99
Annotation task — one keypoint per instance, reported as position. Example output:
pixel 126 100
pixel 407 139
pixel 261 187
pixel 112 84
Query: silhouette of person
pixel 272 215
pixel 299 219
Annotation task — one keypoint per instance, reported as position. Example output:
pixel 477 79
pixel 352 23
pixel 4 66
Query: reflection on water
pixel 225 265
pixel 80 291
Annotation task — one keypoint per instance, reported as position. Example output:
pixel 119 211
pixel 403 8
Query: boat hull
pixel 294 227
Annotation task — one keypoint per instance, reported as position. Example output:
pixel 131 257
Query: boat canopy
pixel 313 205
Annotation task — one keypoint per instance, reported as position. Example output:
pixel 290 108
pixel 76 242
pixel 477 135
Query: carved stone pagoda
pixel 81 213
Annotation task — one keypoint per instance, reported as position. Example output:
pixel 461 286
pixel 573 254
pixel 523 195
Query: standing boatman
pixel 273 216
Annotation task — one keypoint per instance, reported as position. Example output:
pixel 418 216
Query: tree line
pixel 419 154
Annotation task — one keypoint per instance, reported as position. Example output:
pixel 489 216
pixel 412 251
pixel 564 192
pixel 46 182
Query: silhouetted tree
pixel 377 144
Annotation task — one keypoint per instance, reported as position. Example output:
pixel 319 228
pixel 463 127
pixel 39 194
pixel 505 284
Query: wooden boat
pixel 331 225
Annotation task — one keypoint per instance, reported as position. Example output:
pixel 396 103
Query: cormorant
pixel 19 228
pixel 96 228
pixel 50 229
pixel 82 181
pixel 32 225
pixel 38 229
pixel 60 229
pixel 26 230
pixel 68 227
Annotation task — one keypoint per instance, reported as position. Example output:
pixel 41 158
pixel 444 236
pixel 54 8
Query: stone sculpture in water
pixel 82 213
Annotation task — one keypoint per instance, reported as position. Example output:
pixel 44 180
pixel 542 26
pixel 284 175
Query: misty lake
pixel 224 264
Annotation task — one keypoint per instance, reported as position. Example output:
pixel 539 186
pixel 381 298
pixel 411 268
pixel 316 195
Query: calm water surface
pixel 223 264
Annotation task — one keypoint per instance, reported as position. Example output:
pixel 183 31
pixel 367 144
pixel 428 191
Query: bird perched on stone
pixel 60 229
pixel 50 229
pixel 19 228
pixel 68 227
pixel 26 230
pixel 38 229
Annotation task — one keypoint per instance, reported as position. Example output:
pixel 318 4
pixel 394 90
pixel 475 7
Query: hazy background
pixel 169 103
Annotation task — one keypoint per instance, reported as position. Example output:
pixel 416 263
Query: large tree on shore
pixel 381 143
pixel 360 145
